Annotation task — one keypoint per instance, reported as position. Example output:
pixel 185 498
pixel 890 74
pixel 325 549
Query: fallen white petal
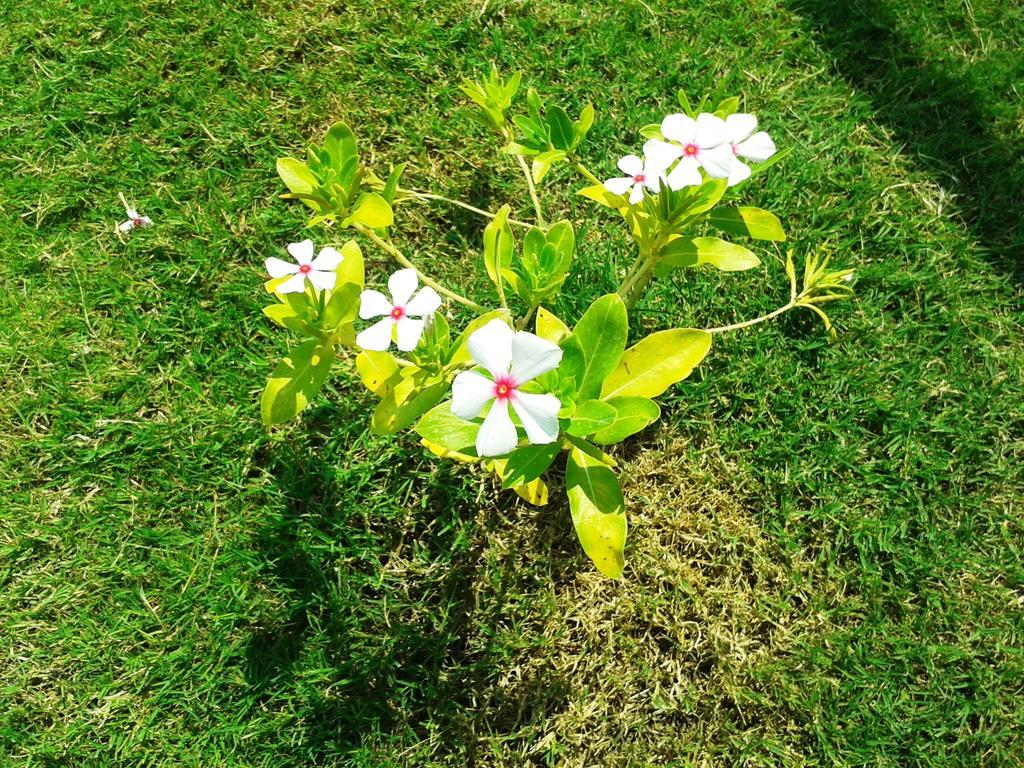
pixel 497 435
pixel 126 226
pixel 470 393
pixel 373 304
pixel 402 285
pixel 424 303
pixel 491 347
pixel 377 337
pixel 539 415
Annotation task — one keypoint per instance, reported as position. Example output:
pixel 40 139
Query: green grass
pixel 824 565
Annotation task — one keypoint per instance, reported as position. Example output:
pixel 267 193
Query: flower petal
pixel 378 336
pixel 402 285
pixel 424 303
pixel 131 213
pixel 617 186
pixel 758 147
pixel 631 165
pixel 717 161
pixel 740 172
pixel 302 252
pixel 470 393
pixel 373 304
pixel 409 332
pixel 739 126
pixel 295 284
pixel 146 221
pixel 276 267
pixel 679 127
pixel 637 194
pixel 497 435
pixel 491 347
pixel 127 226
pixel 532 356
pixel 539 415
pixel 710 130
pixel 322 280
pixel 328 260
pixel 654 179
pixel 685 174
pixel 660 154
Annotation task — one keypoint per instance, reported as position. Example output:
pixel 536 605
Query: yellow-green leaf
pixel 748 221
pixel 657 362
pixel 372 211
pixel 549 327
pixel 295 380
pixel 377 370
pixel 598 511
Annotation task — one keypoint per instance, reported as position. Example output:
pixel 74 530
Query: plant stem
pixel 582 170
pixel 635 283
pixel 460 204
pixel 533 190
pixel 526 318
pixel 755 321
pixel 404 261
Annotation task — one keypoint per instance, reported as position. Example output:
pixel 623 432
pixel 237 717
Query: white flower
pixel 319 271
pixel 695 144
pixel 404 315
pixel 758 146
pixel 512 359
pixel 642 173
pixel 135 221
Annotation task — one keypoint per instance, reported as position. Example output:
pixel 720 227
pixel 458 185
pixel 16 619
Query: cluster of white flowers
pixel 709 142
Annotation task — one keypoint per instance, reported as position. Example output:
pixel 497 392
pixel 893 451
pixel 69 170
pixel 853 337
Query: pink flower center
pixel 397 313
pixel 639 178
pixel 137 221
pixel 305 269
pixel 691 150
pixel 735 150
pixel 504 386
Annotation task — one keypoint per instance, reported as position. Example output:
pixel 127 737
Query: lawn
pixel 825 554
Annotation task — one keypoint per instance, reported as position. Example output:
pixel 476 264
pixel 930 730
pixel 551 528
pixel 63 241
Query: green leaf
pixel 296 176
pixel 598 511
pixel 498 244
pixel 599 194
pixel 391 185
pixel 410 396
pixel 340 144
pixel 748 221
pixel 542 163
pixel 286 316
pixel 549 327
pixel 526 464
pixel 442 427
pixel 591 416
pixel 562 236
pixel 342 307
pixel 351 268
pixel 582 126
pixel 377 370
pixel 371 210
pixel 595 346
pixel 729 106
pixel 561 128
pixel 295 380
pixel 684 102
pixel 652 131
pixel 690 251
pixel 657 362
pixel 631 415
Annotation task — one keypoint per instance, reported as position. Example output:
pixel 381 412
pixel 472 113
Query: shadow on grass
pixel 946 119
pixel 385 633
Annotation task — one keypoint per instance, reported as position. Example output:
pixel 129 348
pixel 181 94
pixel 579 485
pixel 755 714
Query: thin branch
pixel 441 198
